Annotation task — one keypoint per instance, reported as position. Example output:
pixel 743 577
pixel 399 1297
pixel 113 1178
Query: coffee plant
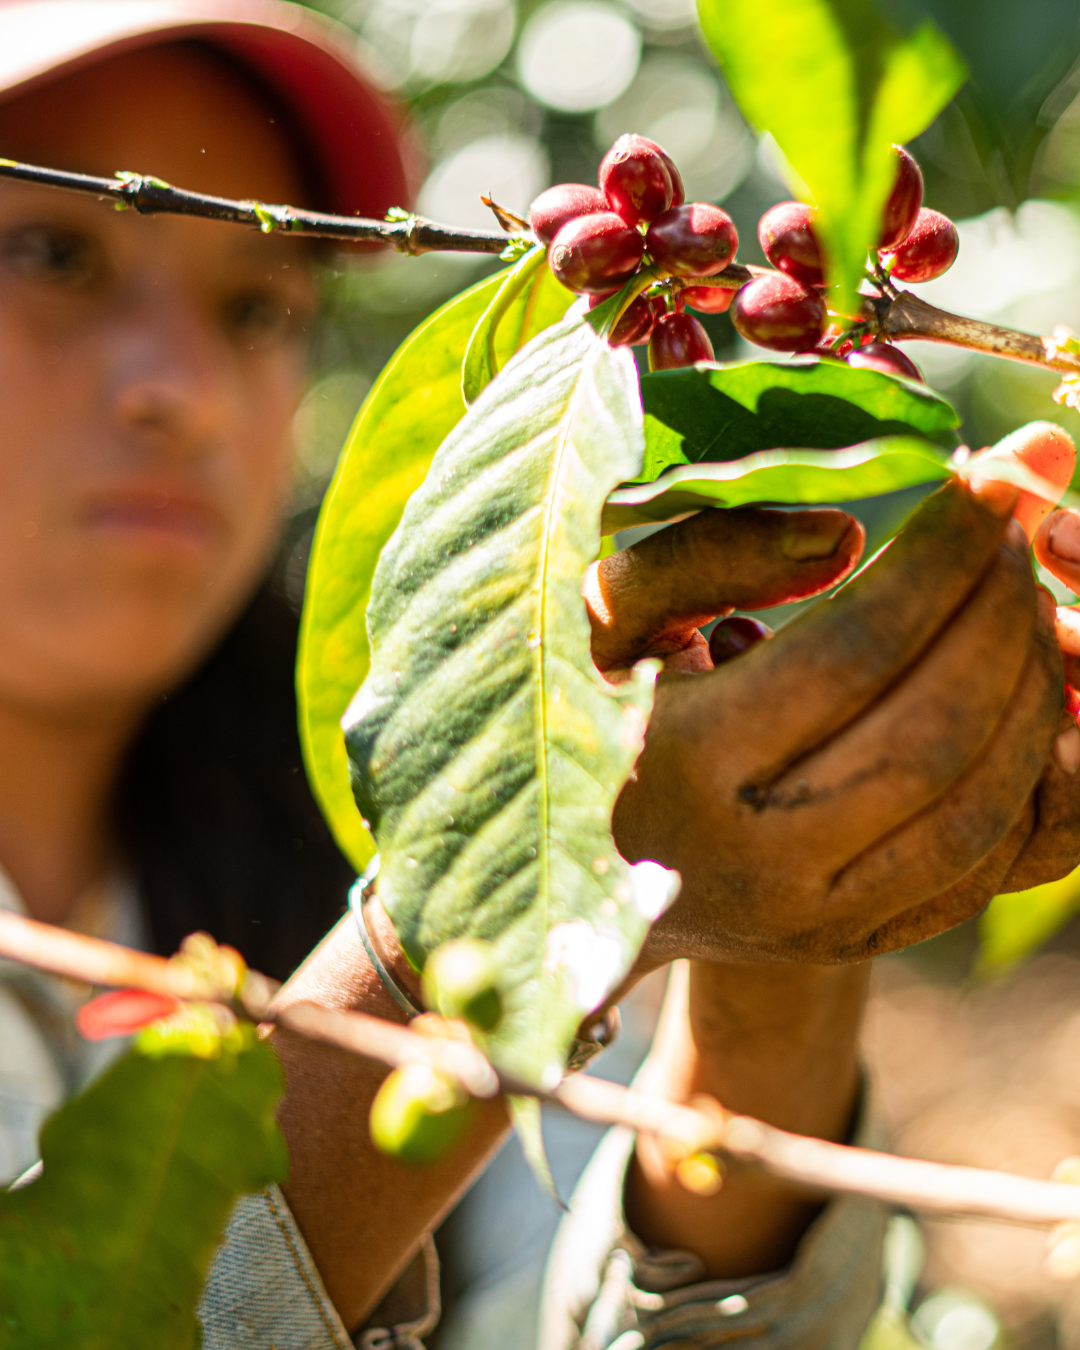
pixel 452 717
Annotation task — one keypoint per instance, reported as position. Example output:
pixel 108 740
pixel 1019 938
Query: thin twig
pixel 902 318
pixel 812 1163
pixel 152 196
pixel 909 317
pixel 94 961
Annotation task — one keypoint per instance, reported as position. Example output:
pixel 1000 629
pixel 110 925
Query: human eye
pixel 51 255
pixel 261 318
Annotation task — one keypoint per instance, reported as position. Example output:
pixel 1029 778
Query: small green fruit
pixel 461 980
pixel 418 1115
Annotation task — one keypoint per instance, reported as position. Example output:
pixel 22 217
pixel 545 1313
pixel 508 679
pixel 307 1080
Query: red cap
pixel 307 60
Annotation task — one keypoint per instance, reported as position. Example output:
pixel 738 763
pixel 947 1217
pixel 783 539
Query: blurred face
pixel 149 369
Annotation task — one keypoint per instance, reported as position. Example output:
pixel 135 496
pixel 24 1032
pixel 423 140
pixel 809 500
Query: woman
pixel 149 776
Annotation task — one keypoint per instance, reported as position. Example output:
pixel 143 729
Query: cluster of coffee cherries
pixel 600 237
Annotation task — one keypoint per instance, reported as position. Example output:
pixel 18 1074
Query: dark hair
pixel 215 817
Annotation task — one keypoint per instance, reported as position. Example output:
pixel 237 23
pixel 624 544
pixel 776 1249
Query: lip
pixel 155 515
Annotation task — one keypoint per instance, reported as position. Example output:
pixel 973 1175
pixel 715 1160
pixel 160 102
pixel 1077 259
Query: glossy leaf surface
pixel 415 403
pixel 789 477
pixel 109 1248
pixel 485 748
pixel 724 412
pixel 836 85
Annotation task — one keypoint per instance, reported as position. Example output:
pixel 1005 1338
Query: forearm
pixel 774 1041
pixel 362 1214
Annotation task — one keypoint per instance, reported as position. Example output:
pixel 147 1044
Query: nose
pixel 172 382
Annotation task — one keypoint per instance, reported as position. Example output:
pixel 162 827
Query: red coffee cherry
pixel 596 253
pixel 709 299
pixel 678 191
pixel 731 637
pixel 635 324
pixel 902 208
pixel 693 240
pixel 786 235
pixel 885 357
pixel 635 180
pixel 563 202
pixel 929 249
pixel 778 312
pixel 678 340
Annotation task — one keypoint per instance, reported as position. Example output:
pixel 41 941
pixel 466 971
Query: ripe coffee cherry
pixel 596 253
pixel 929 249
pixel 709 299
pixel 566 201
pixel 885 357
pixel 635 180
pixel 778 312
pixel 786 235
pixel 731 637
pixel 694 240
pixel 902 208
pixel 636 322
pixel 678 340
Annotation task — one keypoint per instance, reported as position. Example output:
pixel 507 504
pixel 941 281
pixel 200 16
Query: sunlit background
pixel 504 98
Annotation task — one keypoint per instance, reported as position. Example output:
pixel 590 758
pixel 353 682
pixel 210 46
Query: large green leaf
pixel 109 1248
pixel 836 85
pixel 413 406
pixel 790 477
pixel 722 412
pixel 485 749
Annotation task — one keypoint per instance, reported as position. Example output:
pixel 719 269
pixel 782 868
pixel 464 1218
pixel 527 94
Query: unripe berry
pixel 461 980
pixel 885 357
pixel 678 340
pixel 778 312
pixel 902 208
pixel 635 323
pixel 786 235
pixel 635 180
pixel 709 299
pixel 418 1115
pixel 694 240
pixel 563 202
pixel 929 249
pixel 731 637
pixel 596 253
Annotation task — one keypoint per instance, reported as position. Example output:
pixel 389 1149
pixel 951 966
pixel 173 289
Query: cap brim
pixel 306 59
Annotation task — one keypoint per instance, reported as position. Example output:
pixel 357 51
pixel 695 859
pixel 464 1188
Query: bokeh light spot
pixel 578 55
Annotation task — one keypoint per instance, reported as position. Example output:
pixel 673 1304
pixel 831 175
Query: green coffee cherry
pixel 461 980
pixel 418 1115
